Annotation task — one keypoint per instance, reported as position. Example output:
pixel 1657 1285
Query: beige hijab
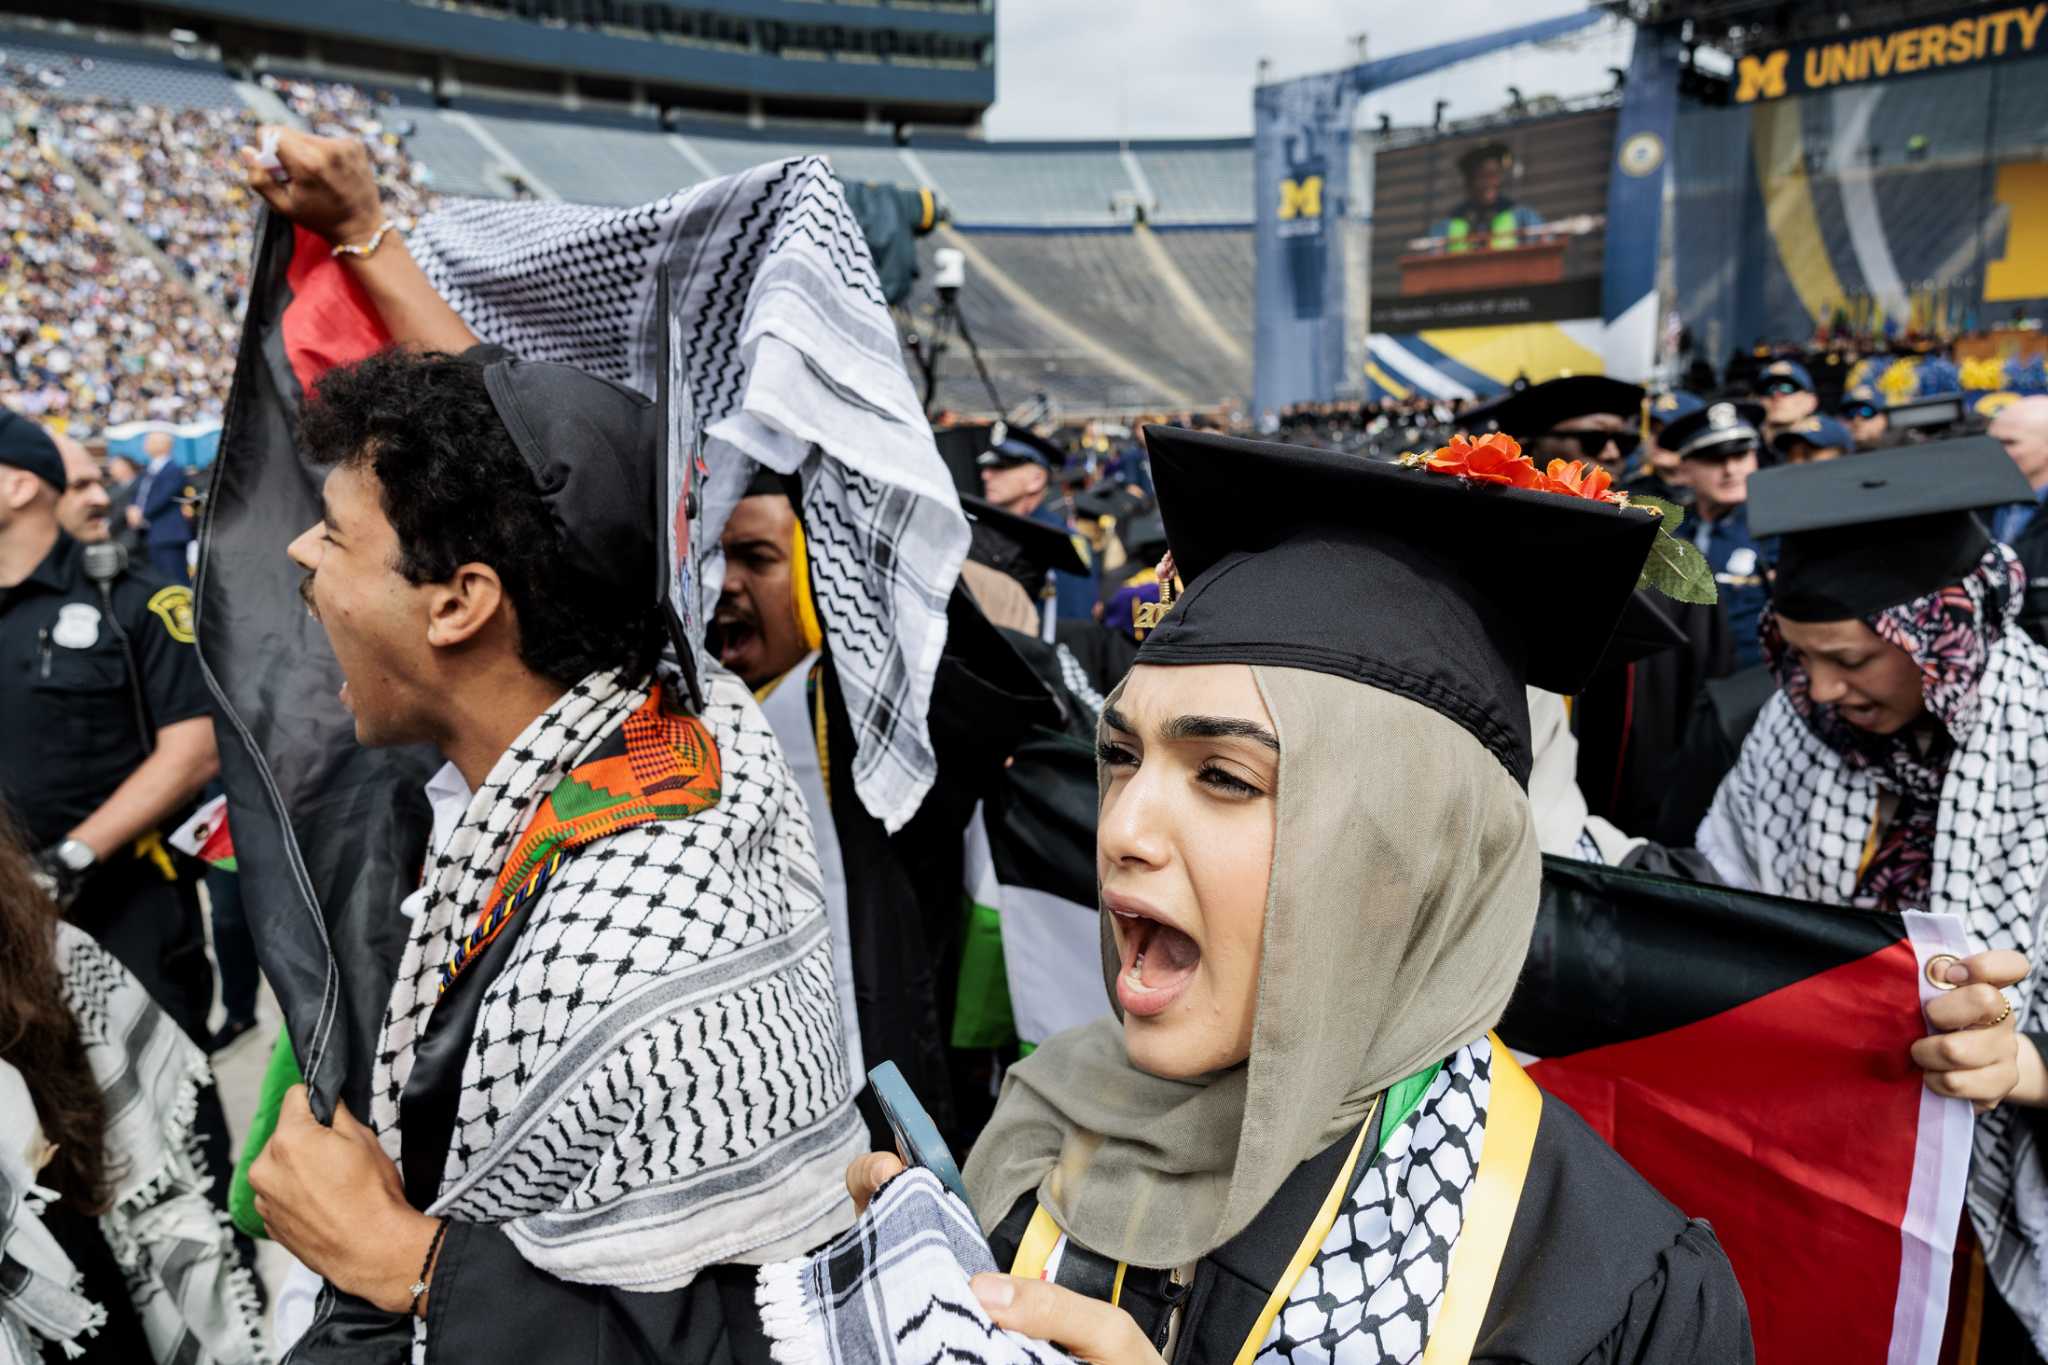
pixel 1403 892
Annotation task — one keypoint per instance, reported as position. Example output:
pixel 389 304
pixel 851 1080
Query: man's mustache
pixel 306 596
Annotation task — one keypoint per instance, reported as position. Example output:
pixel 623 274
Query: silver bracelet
pixel 369 247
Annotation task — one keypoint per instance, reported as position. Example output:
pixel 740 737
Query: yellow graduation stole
pixel 1514 1109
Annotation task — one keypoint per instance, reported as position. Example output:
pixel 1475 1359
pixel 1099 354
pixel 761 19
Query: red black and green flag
pixel 328 835
pixel 1748 1055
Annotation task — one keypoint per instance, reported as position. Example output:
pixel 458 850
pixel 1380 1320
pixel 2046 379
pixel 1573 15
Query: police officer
pixel 1718 446
pixel 105 731
pixel 1017 475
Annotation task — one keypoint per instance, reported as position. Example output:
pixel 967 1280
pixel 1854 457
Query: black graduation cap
pixel 1108 499
pixel 1398 578
pixel 1540 407
pixel 1944 411
pixel 1024 549
pixel 1870 532
pixel 1144 539
pixel 598 452
pixel 960 448
pixel 592 446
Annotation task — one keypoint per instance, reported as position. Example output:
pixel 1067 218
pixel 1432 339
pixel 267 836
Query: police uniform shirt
pixel 1741 563
pixel 68 732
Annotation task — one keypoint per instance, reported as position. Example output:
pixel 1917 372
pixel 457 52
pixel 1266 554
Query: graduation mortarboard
pixel 1540 407
pixel 961 448
pixel 597 453
pixel 1024 549
pixel 1858 536
pixel 1822 433
pixel 25 445
pixel 1715 432
pixel 1923 413
pixel 1787 371
pixel 1403 579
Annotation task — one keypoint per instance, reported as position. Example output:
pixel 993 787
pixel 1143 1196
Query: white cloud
pixel 1185 68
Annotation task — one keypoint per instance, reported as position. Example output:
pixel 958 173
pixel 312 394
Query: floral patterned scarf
pixel 1949 634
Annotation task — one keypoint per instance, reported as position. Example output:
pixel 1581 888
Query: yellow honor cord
pixel 800 589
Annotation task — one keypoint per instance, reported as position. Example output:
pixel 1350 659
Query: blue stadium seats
pixel 89 70
pixel 1031 184
pixel 591 163
pixel 1198 183
pixel 1218 263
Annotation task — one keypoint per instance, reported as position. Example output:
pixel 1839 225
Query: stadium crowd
pixel 478 572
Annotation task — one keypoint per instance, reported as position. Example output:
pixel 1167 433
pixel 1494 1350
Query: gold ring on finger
pixel 1937 970
pixel 2003 1015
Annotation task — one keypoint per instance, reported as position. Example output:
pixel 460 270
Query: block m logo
pixel 1761 78
pixel 1301 198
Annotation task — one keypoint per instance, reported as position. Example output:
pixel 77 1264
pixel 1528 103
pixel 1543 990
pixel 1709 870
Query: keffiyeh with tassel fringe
pixel 196 1301
pixel 783 354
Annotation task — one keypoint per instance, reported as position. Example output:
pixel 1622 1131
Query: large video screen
pixel 1486 229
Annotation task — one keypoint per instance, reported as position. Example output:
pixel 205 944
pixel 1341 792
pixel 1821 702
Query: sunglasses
pixel 1591 443
pixel 1778 388
pixel 1858 412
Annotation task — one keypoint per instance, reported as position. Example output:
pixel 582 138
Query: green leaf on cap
pixel 1675 567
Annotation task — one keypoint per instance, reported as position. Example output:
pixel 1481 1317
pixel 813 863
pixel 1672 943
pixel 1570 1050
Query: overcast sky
pixel 1185 68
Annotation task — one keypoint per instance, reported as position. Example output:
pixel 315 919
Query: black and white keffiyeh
pixel 893 1290
pixel 1793 818
pixel 41 1296
pixel 656 1081
pixel 783 354
pixel 196 1300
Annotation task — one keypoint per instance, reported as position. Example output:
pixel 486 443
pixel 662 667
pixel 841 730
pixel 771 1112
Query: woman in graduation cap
pixel 1901 766
pixel 1297 1140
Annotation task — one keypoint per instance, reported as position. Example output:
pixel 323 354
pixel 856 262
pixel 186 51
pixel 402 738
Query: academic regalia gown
pixel 1631 720
pixel 1598 1268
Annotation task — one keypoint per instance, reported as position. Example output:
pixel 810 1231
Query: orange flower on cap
pixel 1580 479
pixel 1493 458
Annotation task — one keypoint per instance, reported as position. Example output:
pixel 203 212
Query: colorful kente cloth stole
pixel 656 766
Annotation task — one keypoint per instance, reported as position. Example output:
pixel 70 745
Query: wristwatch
pixel 76 856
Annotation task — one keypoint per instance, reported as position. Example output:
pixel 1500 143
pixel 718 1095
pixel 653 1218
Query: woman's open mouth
pixel 1157 960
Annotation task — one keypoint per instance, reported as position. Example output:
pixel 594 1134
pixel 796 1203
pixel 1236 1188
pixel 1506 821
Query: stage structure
pixel 1452 265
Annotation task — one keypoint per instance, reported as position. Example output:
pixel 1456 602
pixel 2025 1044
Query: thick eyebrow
pixel 1219 727
pixel 1117 720
pixel 754 545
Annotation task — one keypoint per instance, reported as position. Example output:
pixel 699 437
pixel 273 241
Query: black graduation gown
pixel 1630 720
pixel 904 890
pixel 1599 1268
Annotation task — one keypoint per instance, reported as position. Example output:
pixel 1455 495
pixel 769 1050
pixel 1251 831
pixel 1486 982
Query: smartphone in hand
pixel 917 1137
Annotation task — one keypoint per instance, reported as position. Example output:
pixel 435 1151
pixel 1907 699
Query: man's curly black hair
pixel 457 492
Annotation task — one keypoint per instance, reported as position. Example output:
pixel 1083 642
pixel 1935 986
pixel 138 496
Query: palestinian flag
pixel 205 836
pixel 1748 1055
pixel 1030 874
pixel 328 835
